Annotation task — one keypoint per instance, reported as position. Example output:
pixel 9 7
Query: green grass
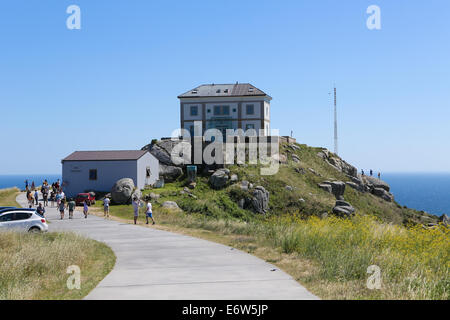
pixel 33 266
pixel 8 197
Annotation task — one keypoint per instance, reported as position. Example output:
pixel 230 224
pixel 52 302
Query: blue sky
pixel 114 83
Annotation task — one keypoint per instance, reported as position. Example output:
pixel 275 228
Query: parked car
pixel 81 197
pixel 19 219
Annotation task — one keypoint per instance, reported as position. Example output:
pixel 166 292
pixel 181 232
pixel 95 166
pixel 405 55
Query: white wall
pixel 75 175
pixel 145 161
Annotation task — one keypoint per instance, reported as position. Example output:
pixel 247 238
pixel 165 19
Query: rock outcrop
pixel 171 205
pixel 343 209
pixel 162 150
pixel 219 179
pixel 382 193
pixel 260 200
pixel 336 162
pixel 122 191
pixel 170 173
pixel 337 188
pixel 445 220
pixel 375 183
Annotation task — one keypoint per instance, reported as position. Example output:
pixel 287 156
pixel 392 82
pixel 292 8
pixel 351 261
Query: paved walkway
pixel 154 264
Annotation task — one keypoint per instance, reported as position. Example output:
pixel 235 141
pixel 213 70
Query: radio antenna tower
pixel 335 124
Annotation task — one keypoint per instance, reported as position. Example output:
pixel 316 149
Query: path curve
pixel 153 264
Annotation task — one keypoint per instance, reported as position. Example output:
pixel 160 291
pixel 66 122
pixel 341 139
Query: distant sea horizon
pixel 429 192
pixel 18 180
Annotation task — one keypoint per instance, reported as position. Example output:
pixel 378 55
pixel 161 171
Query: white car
pixel 16 219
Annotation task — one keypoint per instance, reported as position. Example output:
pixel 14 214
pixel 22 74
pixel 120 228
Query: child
pixel 148 213
pixel 85 209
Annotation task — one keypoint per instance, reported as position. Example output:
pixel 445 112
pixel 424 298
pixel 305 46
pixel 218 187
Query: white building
pixel 226 106
pixel 99 170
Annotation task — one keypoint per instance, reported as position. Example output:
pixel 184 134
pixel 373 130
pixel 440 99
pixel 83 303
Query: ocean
pixel 10 181
pixel 429 192
pixel 420 191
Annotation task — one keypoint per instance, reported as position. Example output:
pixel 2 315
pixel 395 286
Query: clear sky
pixel 114 83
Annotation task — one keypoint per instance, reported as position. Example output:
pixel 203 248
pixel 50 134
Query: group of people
pixel 56 195
pixel 137 203
pixel 52 193
pixel 371 173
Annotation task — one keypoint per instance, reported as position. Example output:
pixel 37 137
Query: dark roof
pixel 224 90
pixel 105 155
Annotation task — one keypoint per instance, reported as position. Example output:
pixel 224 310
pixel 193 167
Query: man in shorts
pixel 106 203
pixel 62 207
pixel 148 212
pixel 71 205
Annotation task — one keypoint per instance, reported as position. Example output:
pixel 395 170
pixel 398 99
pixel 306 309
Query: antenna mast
pixel 335 124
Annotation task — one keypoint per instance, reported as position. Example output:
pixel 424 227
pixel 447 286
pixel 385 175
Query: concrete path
pixel 154 264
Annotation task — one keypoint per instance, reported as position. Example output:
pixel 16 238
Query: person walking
pixel 71 206
pixel 58 199
pixel 52 198
pixel 62 208
pixel 26 184
pixel 362 172
pixel 106 203
pixel 45 197
pixel 36 197
pixel 32 186
pixel 379 175
pixel 29 198
pixel 40 210
pixel 136 205
pixel 371 172
pixel 85 209
pixel 148 213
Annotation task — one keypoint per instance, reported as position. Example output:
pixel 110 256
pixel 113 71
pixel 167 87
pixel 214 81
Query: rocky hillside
pixel 311 181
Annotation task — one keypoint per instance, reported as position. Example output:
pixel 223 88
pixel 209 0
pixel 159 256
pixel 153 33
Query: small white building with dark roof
pixel 226 106
pixel 99 170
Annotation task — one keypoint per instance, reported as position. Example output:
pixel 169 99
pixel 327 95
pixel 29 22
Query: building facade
pixel 226 106
pixel 99 170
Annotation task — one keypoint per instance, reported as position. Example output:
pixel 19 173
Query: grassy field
pixel 8 197
pixel 329 256
pixel 34 266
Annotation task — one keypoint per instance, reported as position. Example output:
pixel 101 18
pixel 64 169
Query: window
pixel 221 110
pixel 194 110
pixel 249 126
pixel 209 110
pixel 225 91
pixel 22 215
pixel 6 217
pixel 93 174
pixel 250 109
pixel 267 111
pixel 148 172
pixel 234 109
